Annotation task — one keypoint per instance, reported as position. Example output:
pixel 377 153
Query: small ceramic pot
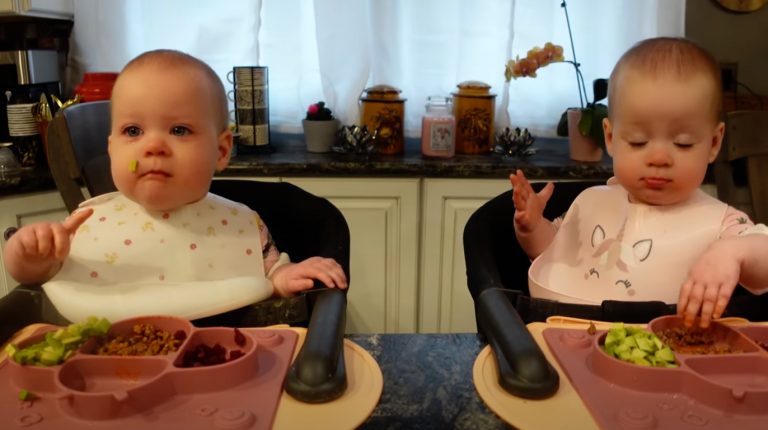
pixel 96 86
pixel 320 135
pixel 581 148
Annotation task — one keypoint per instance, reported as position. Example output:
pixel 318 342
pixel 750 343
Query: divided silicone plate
pixel 112 392
pixel 706 392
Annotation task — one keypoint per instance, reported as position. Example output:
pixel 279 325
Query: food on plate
pixel 239 337
pixel 58 346
pixel 25 395
pixel 634 345
pixel 146 340
pixel 684 341
pixel 204 355
pixel 591 329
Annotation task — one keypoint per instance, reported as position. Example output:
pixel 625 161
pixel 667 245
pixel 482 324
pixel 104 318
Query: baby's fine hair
pixel 674 57
pixel 172 58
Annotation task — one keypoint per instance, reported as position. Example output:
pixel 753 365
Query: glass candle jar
pixel 438 128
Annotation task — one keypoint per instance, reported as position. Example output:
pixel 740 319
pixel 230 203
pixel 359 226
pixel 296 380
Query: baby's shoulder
pixel 114 197
pixel 218 200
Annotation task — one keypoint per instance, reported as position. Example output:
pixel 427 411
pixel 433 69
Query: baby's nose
pixel 659 156
pixel 156 145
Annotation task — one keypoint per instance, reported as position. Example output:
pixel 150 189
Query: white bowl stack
pixel 21 122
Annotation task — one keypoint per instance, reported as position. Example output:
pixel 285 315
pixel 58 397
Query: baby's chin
pixel 659 198
pixel 161 201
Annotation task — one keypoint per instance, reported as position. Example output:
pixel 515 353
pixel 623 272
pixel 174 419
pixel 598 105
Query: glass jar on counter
pixel 438 128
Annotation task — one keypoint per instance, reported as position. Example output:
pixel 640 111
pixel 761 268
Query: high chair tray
pixel 598 391
pixel 113 392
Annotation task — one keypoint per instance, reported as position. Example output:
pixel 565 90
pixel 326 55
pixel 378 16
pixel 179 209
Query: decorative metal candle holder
pixel 515 144
pixel 355 140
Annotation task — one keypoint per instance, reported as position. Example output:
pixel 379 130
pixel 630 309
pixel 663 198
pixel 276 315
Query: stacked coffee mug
pixel 21 122
pixel 251 98
pixel 24 133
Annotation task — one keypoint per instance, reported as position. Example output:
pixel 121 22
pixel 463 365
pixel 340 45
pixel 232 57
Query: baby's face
pixel 662 135
pixel 164 119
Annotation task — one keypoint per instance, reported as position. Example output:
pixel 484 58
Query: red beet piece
pixel 218 351
pixel 180 335
pixel 239 337
pixel 235 354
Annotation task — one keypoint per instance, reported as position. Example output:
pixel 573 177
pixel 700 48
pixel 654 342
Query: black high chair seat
pixel 497 278
pixel 302 225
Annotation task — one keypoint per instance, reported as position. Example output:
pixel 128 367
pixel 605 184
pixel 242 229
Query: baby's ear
pixel 717 141
pixel 224 149
pixel 608 131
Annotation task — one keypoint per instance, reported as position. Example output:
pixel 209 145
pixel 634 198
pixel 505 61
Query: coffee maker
pixel 24 76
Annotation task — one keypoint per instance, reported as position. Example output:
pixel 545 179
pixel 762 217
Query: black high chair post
pixel 302 225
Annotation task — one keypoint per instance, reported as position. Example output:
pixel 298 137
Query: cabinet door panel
pixel 16 212
pixel 382 215
pixel 446 305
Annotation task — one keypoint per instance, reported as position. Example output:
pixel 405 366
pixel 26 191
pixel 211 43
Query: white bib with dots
pixel 198 260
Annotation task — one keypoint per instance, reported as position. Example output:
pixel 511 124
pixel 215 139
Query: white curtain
pixel 333 49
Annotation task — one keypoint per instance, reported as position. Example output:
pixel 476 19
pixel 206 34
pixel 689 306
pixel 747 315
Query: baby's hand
pixel 710 284
pixel 45 241
pixel 294 278
pixel 529 206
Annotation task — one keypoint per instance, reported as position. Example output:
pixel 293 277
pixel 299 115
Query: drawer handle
pixel 10 231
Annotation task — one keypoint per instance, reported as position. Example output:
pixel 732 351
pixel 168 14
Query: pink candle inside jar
pixel 438 129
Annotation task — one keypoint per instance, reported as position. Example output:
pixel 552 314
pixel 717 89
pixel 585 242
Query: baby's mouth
pixel 156 174
pixel 656 182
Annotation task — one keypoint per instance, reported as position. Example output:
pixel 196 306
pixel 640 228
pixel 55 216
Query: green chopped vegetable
pixel 634 345
pixel 58 346
pixel 26 395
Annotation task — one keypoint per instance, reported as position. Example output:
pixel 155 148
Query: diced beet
pixel 180 335
pixel 235 354
pixel 239 337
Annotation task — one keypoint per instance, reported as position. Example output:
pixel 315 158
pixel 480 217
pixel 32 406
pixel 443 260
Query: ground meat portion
pixel 694 342
pixel 146 340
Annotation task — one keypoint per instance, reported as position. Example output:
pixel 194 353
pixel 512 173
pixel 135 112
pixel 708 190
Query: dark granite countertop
pixel 291 159
pixel 427 382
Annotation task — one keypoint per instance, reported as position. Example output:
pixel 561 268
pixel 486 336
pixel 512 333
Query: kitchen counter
pixel 291 159
pixel 427 382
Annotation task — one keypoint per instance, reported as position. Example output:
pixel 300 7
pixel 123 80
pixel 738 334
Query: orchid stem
pixel 579 80
pixel 575 62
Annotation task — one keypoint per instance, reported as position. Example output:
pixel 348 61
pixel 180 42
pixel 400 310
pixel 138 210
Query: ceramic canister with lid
pixel 438 128
pixel 383 110
pixel 474 107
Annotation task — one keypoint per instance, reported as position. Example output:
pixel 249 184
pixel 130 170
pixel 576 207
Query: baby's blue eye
pixel 180 131
pixel 132 131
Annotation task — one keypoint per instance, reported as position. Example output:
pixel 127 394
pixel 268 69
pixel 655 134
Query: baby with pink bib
pixel 650 234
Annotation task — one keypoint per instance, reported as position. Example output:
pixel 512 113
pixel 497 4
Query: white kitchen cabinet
pixel 382 215
pixel 446 305
pixel 56 9
pixel 18 211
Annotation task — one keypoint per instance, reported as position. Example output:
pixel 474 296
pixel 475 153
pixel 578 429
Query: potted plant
pixel 320 128
pixel 582 125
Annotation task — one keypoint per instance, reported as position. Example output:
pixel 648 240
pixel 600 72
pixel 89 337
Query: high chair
pixel 303 225
pixel 497 278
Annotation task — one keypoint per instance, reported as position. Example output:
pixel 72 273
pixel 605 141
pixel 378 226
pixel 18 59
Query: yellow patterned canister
pixel 473 108
pixel 383 110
